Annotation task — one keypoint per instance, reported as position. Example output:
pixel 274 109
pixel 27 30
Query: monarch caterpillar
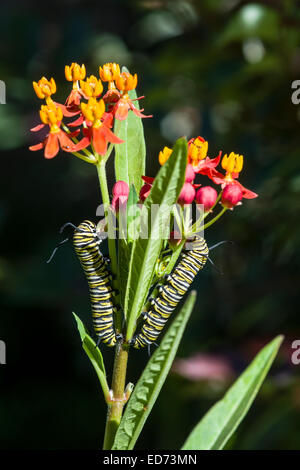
pixel 172 292
pixel 86 244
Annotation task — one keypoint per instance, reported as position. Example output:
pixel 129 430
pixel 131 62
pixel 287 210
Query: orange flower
pixel 52 115
pixel 125 82
pixel 109 72
pixel 44 88
pixel 98 132
pixel 233 164
pixel 197 150
pixel 91 87
pixel 197 157
pixel 164 155
pixel 74 72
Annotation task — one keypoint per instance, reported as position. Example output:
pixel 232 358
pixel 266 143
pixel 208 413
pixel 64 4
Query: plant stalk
pixel 108 215
pixel 119 398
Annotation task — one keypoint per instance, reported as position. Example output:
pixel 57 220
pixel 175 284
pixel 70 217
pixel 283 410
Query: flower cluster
pixel 232 191
pixel 199 163
pixel 95 112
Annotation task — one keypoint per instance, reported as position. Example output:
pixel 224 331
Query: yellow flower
pixel 197 150
pixel 109 72
pixel 232 163
pixel 93 111
pixel 51 115
pixel 91 87
pixel 164 155
pixel 44 88
pixel 75 72
pixel 125 81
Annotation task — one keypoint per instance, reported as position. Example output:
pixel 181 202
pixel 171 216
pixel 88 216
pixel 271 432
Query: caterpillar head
pixel 86 236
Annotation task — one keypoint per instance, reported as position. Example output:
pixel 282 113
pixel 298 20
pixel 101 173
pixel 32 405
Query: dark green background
pixel 221 69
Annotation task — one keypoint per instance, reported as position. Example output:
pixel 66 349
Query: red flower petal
pixel 148 179
pixel 74 133
pixel 37 128
pixel 137 112
pixel 77 122
pixel 112 96
pixel 247 194
pixel 65 143
pixel 37 146
pixel 52 146
pixel 110 136
pixel 121 109
pixel 82 144
pixel 107 119
pixel 145 191
pixel 216 177
pixel 68 111
pixel 99 140
pixel 73 99
pixel 204 166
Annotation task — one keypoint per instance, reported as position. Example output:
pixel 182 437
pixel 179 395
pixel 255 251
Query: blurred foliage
pixel 221 69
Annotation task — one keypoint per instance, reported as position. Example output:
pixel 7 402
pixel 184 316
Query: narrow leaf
pixel 133 214
pixel 148 387
pixel 223 418
pixel 128 221
pixel 130 156
pixel 145 251
pixel 93 354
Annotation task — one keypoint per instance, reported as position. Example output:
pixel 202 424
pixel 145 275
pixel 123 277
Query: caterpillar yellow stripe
pixel 86 244
pixel 191 262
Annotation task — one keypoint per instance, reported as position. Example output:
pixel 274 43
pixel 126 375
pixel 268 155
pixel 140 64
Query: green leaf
pixel 128 220
pixel 223 418
pixel 145 251
pixel 148 387
pixel 130 156
pixel 133 214
pixel 93 354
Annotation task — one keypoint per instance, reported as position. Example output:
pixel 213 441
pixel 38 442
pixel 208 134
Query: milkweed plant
pixel 156 246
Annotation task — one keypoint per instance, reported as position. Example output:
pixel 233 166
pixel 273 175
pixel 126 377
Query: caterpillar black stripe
pixel 172 292
pixel 86 244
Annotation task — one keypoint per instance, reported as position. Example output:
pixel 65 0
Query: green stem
pixel 75 140
pixel 119 397
pixel 175 256
pixel 197 224
pixel 108 215
pixel 83 157
pixel 215 218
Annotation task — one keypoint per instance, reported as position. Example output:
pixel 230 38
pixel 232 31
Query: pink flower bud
pixel 187 194
pixel 120 194
pixel 232 195
pixel 189 173
pixel 120 188
pixel 206 196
